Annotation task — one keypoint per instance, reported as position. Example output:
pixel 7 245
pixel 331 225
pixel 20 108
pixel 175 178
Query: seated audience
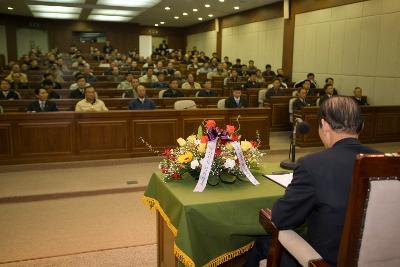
pixel 330 80
pixel 161 83
pixel 358 97
pixel 259 76
pixel 318 194
pixel 79 60
pixel 252 82
pixel 243 72
pixel 134 66
pixel 227 62
pixel 301 100
pixel 98 56
pixel 206 91
pixel 268 73
pixel 48 85
pixel 190 83
pixel 310 78
pixel 42 104
pixel 328 88
pixel 149 64
pixel 233 77
pixel 238 65
pixel 80 70
pixel 16 83
pixel 149 77
pixel 90 103
pixel 307 85
pixel 170 69
pixel 127 83
pixel 78 88
pixel 107 48
pixel 141 102
pixel 6 93
pixel 251 68
pixel 15 68
pixel 115 76
pixel 89 76
pixel 159 68
pixel 204 69
pixel 217 72
pixel 173 90
pixel 276 89
pixel 61 66
pixel 285 79
pixel 49 76
pixel 34 65
pixel 236 100
pixel 194 65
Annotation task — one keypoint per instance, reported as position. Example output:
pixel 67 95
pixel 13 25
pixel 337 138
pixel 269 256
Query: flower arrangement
pixel 213 155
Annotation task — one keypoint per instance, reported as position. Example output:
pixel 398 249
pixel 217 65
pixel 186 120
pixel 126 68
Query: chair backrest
pixel 317 102
pixel 184 104
pixel 197 94
pixel 161 93
pixel 221 103
pixel 370 234
pixel 291 101
pixel 261 97
pixel 1 109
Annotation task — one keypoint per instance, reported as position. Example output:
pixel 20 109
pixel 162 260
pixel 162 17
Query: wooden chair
pixel 370 235
pixel 184 104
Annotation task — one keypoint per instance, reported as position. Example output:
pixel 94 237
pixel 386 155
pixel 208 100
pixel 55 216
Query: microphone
pixel 302 127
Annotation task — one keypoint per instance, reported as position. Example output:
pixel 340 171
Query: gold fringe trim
pixel 179 254
pixel 229 255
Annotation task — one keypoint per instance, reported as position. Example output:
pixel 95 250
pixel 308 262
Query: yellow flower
pixel 181 141
pixel 191 138
pixel 229 146
pixel 185 158
pixel 245 145
pixel 202 147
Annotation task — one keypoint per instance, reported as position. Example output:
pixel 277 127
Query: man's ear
pixel 325 126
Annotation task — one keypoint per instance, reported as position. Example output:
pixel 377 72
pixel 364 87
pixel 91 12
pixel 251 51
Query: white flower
pixel 194 164
pixel 229 164
pixel 181 142
pixel 197 142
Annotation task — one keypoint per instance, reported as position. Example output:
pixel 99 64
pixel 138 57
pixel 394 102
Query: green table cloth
pixel 216 225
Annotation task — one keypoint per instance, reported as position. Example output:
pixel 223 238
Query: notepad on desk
pixel 281 179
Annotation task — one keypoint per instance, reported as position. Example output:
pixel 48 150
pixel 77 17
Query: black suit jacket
pixel 77 94
pixel 324 98
pixel 35 106
pixel 231 103
pixel 318 196
pixel 362 101
pixel 298 104
pixel 11 95
pixel 171 93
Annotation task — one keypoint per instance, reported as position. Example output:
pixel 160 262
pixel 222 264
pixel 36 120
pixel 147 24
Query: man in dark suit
pixel 301 101
pixel 236 100
pixel 359 98
pixel 252 82
pixel 207 91
pixel 42 104
pixel 173 89
pixel 276 89
pixel 5 92
pixel 321 182
pixel 141 102
pixel 328 88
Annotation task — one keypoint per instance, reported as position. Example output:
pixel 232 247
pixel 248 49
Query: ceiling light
pixel 167 8
pixel 210 15
pixel 130 3
pixel 236 7
pixel 200 18
pixel 55 15
pixel 195 10
pixel 114 12
pixel 10 8
pixel 108 18
pixel 184 13
pixel 64 1
pixel 207 5
pixel 221 1
pixel 156 24
pixel 176 17
pixel 162 22
pixel 55 9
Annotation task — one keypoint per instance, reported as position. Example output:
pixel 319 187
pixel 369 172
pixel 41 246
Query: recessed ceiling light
pixel 114 12
pixel 167 8
pixel 156 24
pixel 184 13
pixel 176 17
pixel 55 15
pixel 130 3
pixel 236 7
pixel 207 5
pixel 195 10
pixel 210 15
pixel 54 9
pixel 10 8
pixel 221 1
pixel 200 18
pixel 108 18
pixel 162 22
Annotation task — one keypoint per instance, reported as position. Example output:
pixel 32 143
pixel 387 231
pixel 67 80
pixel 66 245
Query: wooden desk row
pixel 70 136
pixel 381 124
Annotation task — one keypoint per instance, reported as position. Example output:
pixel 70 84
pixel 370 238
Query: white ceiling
pixel 144 12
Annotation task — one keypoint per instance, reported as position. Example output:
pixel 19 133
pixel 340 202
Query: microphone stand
pixel 291 163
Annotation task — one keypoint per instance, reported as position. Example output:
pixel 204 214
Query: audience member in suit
pixel 276 89
pixel 206 91
pixel 251 68
pixel 238 65
pixel 48 85
pixel 107 48
pixel 328 88
pixel 252 81
pixel 98 56
pixel 6 93
pixel 173 89
pixel 268 73
pixel 301 100
pixel 131 88
pixel 320 187
pixel 42 104
pixel 79 92
pixel 358 97
pixel 16 83
pixel 161 83
pixel 236 100
pixel 90 103
pixel 311 78
pixel 330 80
pixel 149 77
pixel 49 76
pixel 308 86
pixel 141 102
pixel 281 73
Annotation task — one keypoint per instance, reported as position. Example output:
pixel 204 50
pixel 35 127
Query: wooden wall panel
pixel 102 136
pixel 5 140
pixel 44 138
pixel 159 133
pixel 250 125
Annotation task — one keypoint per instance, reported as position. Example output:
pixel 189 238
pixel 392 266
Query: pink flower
pixel 230 128
pixel 210 124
